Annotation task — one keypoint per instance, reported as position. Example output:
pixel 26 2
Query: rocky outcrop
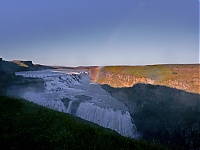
pixel 9 79
pixel 10 67
pixel 184 77
pixel 24 63
pixel 30 66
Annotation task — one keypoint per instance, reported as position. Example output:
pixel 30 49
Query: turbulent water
pixel 73 93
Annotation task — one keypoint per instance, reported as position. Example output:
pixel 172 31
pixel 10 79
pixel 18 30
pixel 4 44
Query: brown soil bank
pixel 179 76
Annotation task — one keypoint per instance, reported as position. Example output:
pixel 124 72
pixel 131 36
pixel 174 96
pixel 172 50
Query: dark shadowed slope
pixel 163 114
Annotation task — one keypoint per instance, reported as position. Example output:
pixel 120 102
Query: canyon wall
pixel 183 77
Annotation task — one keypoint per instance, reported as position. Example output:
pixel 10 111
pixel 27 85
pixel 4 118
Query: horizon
pixel 101 65
pixel 106 33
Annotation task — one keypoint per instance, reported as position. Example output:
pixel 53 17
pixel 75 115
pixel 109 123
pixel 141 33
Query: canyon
pixel 153 103
pixel 163 100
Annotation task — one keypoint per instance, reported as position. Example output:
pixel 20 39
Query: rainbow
pixel 94 73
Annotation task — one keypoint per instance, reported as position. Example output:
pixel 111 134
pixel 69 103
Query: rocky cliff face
pixel 162 114
pixel 10 67
pixel 30 66
pixel 8 78
pixel 24 63
pixel 184 77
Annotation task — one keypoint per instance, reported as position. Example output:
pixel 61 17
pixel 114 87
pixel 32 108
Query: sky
pixel 100 32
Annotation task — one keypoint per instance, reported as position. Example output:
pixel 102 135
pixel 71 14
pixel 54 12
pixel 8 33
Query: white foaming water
pixel 72 93
pixel 107 117
pixel 69 107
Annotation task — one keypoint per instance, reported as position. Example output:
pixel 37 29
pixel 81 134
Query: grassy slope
pixel 26 125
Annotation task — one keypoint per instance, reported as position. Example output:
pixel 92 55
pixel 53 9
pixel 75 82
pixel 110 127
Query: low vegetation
pixel 24 125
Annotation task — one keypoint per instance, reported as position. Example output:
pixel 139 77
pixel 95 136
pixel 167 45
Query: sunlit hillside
pixel 184 77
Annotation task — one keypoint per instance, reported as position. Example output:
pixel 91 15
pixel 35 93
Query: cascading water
pixel 118 120
pixel 74 94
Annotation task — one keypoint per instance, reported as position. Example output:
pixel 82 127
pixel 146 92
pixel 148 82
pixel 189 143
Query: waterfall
pixel 72 93
pixel 117 120
pixel 69 107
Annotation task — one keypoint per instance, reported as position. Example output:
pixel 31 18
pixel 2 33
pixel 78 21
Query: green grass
pixel 152 72
pixel 27 125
